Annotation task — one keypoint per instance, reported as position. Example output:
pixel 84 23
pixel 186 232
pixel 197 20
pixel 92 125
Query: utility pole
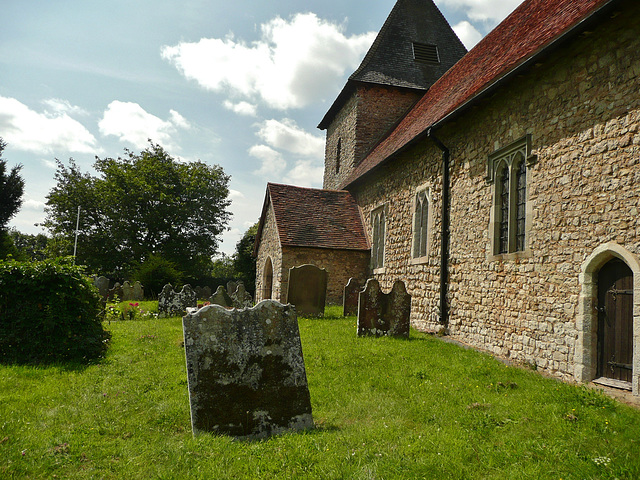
pixel 75 244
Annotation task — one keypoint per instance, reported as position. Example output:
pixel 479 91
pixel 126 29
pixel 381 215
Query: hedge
pixel 49 312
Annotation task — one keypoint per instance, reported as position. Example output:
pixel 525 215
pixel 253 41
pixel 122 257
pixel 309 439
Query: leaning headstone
pixel 103 286
pixel 138 291
pixel 245 371
pixel 384 314
pixel 307 289
pixel 350 298
pixel 221 298
pixel 241 298
pixel 127 291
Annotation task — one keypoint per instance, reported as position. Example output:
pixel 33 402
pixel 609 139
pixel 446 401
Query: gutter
pixel 444 241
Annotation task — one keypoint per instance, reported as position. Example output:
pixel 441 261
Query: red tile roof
pixel 530 29
pixel 310 217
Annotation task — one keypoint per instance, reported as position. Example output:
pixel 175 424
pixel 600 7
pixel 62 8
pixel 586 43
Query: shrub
pixel 49 312
pixel 155 272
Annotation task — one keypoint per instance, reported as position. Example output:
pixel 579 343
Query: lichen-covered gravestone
pixel 221 297
pixel 241 298
pixel 116 292
pixel 172 303
pixel 246 371
pixel 384 314
pixel 308 289
pixel 350 298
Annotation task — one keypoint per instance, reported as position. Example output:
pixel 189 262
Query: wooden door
pixel 615 321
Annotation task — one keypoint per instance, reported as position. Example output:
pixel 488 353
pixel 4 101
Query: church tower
pixel 414 48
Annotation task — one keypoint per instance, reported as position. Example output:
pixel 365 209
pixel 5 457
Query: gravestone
pixel 231 287
pixel 138 291
pixel 127 291
pixel 384 314
pixel 116 292
pixel 206 292
pixel 350 298
pixel 246 371
pixel 241 298
pixel 198 291
pixel 103 286
pixel 221 297
pixel 171 303
pixel 307 289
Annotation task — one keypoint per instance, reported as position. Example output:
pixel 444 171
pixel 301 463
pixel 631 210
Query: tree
pixel 11 191
pixel 243 261
pixel 29 247
pixel 141 205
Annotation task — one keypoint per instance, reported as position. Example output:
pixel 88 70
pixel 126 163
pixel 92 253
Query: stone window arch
pixel 378 225
pixel 508 172
pixel 421 225
pixel 585 356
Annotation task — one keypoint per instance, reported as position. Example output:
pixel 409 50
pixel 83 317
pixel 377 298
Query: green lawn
pixel 384 408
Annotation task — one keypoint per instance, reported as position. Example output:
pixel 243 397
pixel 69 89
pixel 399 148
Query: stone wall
pixel 581 107
pixel 269 249
pixel 340 265
pixel 361 123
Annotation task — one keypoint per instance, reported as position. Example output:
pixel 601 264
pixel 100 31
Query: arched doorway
pixel 267 279
pixel 615 321
pixel 607 318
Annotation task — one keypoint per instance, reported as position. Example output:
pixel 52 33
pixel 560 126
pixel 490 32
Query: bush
pixel 155 272
pixel 49 312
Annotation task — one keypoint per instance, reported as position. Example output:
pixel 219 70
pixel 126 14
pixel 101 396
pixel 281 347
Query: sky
pixel 241 84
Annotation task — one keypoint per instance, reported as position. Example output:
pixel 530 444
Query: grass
pixel 384 408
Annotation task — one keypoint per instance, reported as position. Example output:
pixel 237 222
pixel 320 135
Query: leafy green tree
pixel 155 272
pixel 141 205
pixel 243 261
pixel 11 191
pixel 29 247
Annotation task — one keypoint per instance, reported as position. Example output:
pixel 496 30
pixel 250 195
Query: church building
pixel 501 185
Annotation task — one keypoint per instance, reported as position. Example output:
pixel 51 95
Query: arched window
pixel 377 237
pixel 507 170
pixel 420 224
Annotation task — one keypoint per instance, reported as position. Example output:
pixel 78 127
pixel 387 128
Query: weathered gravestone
pixel 206 292
pixel 384 314
pixel 245 371
pixel 127 291
pixel 350 298
pixel 103 286
pixel 138 291
pixel 307 289
pixel 172 303
pixel 241 298
pixel 116 292
pixel 221 297
pixel 231 287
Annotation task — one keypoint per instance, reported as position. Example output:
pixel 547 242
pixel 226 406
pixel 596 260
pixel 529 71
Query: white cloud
pixel 235 194
pixel 242 108
pixel 178 120
pixel 133 124
pixel 26 129
pixel 467 34
pixel 489 11
pixel 306 173
pixel 286 135
pixel 272 162
pixel 33 205
pixel 63 106
pixel 296 61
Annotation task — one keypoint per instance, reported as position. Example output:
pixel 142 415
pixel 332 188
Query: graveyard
pixel 383 407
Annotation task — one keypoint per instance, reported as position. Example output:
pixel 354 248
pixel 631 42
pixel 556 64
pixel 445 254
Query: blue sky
pixel 242 84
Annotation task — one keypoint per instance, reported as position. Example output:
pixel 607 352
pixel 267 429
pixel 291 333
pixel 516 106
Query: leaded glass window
pixel 420 224
pixel 377 238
